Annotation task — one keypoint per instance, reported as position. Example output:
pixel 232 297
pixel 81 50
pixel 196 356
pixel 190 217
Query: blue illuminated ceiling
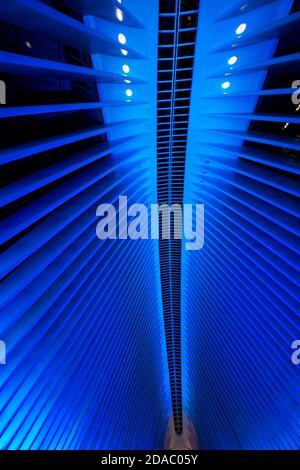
pixel 241 292
pixel 106 341
pixel 176 48
pixel 79 374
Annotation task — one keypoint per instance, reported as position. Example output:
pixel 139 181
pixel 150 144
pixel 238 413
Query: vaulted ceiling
pixel 170 101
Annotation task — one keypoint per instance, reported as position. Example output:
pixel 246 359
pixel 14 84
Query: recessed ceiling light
pixel 119 14
pixel 126 68
pixel 119 1
pixel 232 60
pixel 225 85
pixel 129 92
pixel 127 81
pixel 122 38
pixel 241 28
pixel 124 52
pixel 28 44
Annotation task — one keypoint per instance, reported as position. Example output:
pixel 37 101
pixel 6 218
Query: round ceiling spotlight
pixel 241 28
pixel 232 60
pixel 122 38
pixel 119 14
pixel 225 85
pixel 126 68
pixel 129 92
pixel 124 52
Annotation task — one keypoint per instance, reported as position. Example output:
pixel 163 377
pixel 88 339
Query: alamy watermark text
pixel 165 222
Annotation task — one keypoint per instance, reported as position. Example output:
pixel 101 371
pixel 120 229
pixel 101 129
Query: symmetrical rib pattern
pixel 177 35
